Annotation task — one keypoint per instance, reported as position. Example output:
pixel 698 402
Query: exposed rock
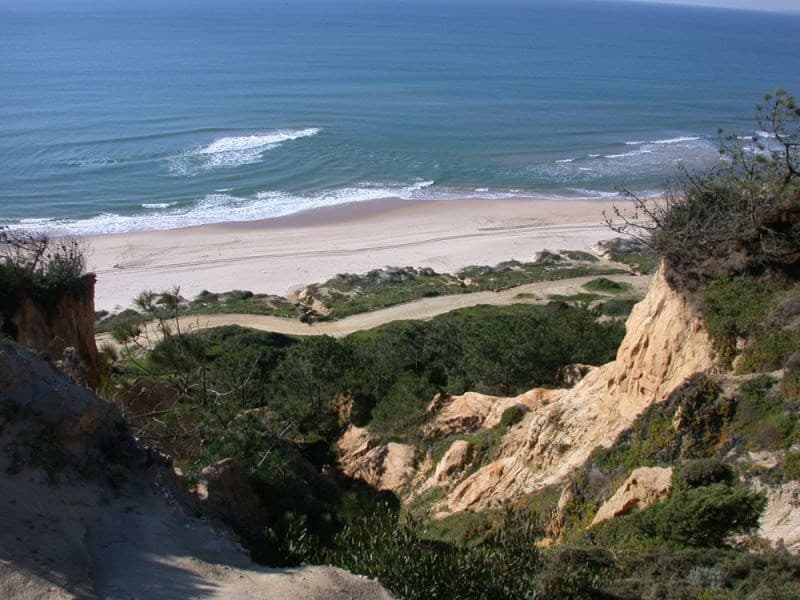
pixel 665 343
pixel 472 411
pixel 385 467
pixel 608 248
pixel 644 487
pixel 457 457
pixel 438 402
pixel 225 493
pixel 555 525
pixel 763 459
pixel 50 327
pixel 780 523
pixel 569 375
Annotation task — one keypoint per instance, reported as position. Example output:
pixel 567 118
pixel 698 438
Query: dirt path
pixel 423 309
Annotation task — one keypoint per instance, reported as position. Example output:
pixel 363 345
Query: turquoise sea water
pixel 116 121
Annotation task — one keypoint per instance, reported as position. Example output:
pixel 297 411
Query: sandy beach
pixel 283 254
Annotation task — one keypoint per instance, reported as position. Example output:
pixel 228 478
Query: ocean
pixel 156 118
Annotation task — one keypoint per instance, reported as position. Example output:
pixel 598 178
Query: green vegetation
pixel 580 297
pixel 704 516
pixel 504 565
pixel 703 472
pixel 741 218
pixel 617 307
pixel 608 286
pixel 40 268
pixel 634 253
pixel 278 404
pixel 349 294
pixel 754 311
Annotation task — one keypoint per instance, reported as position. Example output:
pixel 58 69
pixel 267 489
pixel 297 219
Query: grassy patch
pixel 734 308
pixel 617 307
pixel 764 419
pixel 525 296
pixel 631 252
pixel 349 294
pixel 607 286
pixel 580 255
pixel 572 298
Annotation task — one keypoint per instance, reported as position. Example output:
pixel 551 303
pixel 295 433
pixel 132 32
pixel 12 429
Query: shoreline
pixel 282 254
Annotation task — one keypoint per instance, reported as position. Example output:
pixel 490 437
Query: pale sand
pixel 280 255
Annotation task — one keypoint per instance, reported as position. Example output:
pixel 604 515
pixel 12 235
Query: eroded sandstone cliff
pixel 666 342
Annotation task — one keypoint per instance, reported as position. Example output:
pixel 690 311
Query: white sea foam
pixel 656 159
pixel 234 151
pixel 676 140
pixel 584 193
pixel 35 221
pixel 223 207
pixel 157 204
pixel 627 154
pixel 565 161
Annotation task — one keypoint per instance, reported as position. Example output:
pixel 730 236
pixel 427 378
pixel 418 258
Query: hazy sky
pixel 792 6
pixel 775 5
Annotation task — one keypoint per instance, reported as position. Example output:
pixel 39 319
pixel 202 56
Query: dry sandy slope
pixel 422 309
pixel 100 525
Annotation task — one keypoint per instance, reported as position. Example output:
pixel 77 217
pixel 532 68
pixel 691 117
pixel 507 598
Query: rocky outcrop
pixel 455 459
pixel 50 326
pixel 666 342
pixel 385 467
pixel 780 523
pixel 644 487
pixel 569 375
pixel 472 411
pixel 558 518
pixel 84 515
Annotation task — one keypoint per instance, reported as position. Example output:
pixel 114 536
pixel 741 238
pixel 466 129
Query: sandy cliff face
pixel 385 467
pixel 666 342
pixel 66 323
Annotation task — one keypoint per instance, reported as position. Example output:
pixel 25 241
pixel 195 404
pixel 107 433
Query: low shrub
pixel 734 307
pixel 764 419
pixel 504 566
pixel 609 286
pixel 703 516
pixel 512 415
pixel 703 472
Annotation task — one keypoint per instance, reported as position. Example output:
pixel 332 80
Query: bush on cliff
pixel 741 217
pixel 39 266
